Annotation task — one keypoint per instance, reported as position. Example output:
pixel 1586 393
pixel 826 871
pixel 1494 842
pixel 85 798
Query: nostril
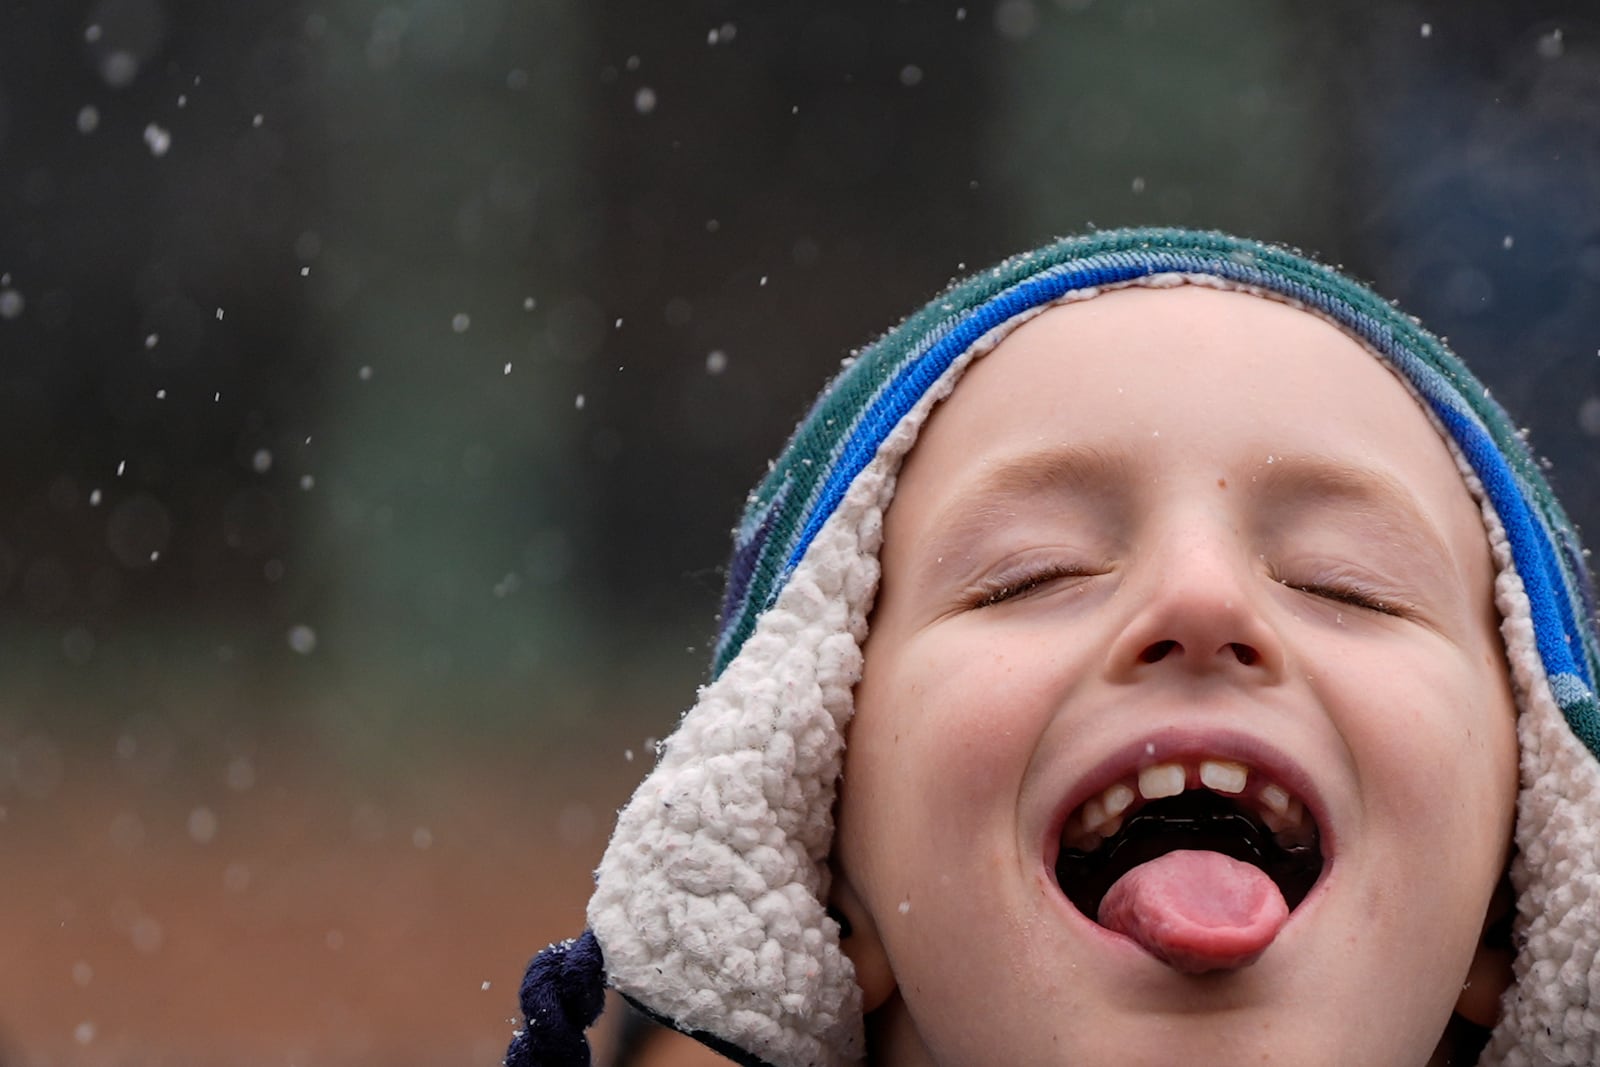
pixel 1244 653
pixel 1157 651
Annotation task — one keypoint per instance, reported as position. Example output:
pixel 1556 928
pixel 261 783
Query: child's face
pixel 1152 528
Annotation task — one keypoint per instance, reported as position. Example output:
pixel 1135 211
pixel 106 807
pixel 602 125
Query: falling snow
pixel 119 68
pixel 1589 416
pixel 157 139
pixel 240 775
pixel 147 935
pixel 303 639
pixel 236 878
pixel 1016 19
pixel 202 825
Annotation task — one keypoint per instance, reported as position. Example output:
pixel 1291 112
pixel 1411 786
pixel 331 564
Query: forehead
pixel 1140 385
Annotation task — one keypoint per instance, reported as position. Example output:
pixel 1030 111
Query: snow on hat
pixel 708 912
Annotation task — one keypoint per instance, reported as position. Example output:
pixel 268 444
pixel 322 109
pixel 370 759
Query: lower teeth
pixel 1295 841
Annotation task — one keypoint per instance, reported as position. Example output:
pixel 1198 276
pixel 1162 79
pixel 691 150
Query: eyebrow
pixel 1300 475
pixel 1076 469
pixel 1087 471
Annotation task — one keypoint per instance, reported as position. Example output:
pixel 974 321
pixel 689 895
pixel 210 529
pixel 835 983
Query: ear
pixel 1490 973
pixel 858 937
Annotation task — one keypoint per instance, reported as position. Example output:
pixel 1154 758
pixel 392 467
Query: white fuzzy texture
pixel 1549 1016
pixel 709 900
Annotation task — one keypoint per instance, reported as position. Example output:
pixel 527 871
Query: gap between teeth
pixel 1101 816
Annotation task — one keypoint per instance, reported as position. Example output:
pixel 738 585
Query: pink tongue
pixel 1196 911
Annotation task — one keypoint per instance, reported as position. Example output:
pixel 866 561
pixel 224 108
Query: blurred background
pixel 379 382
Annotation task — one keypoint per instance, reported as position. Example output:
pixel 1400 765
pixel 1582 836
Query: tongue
pixel 1196 911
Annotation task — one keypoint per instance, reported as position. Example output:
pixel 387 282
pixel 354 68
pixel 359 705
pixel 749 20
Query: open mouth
pixel 1204 805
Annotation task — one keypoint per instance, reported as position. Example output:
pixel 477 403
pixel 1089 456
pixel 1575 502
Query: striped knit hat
pixel 708 911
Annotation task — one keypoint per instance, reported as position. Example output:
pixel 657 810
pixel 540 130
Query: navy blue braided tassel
pixel 562 995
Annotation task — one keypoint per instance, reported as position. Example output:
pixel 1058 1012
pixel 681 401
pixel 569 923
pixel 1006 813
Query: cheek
pixel 965 715
pixel 941 742
pixel 1442 752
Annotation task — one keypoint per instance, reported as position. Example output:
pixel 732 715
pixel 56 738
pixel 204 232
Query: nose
pixel 1198 608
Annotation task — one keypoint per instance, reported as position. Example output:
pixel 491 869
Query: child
pixel 1211 619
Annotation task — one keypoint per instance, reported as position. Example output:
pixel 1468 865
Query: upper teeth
pixel 1117 799
pixel 1161 780
pixel 1224 777
pixel 1102 815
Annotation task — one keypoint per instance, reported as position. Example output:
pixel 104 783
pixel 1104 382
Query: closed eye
pixel 1015 587
pixel 1355 596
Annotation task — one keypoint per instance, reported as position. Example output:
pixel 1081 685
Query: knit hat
pixel 708 911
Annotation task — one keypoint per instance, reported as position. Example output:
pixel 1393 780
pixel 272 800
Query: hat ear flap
pixel 709 899
pixel 1546 1016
